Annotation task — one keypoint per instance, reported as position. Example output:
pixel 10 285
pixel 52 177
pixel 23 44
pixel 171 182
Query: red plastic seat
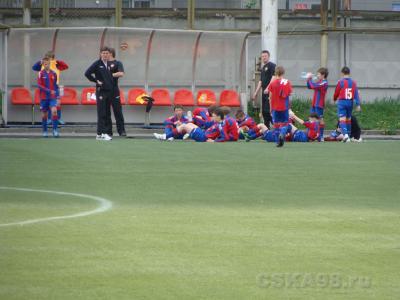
pixel 184 97
pixel 70 97
pixel 133 94
pixel 37 96
pixel 229 98
pixel 21 96
pixel 84 96
pixel 161 97
pixel 206 98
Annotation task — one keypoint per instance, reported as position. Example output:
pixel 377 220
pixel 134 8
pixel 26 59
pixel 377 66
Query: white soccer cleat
pixel 346 139
pixel 160 136
pixel 99 137
pixel 186 136
pixel 106 137
pixel 170 139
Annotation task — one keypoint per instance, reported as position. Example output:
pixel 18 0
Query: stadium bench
pixel 92 90
pixel 229 98
pixel 206 98
pixel 69 98
pixel 184 97
pixel 161 97
pixel 133 94
pixel 21 96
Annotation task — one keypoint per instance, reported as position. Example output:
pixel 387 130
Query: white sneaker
pixel 186 136
pixel 355 140
pixel 189 116
pixel 99 137
pixel 160 136
pixel 346 138
pixel 170 139
pixel 106 137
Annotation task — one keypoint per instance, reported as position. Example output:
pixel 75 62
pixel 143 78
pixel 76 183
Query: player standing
pixel 279 91
pixel 49 92
pixel 346 93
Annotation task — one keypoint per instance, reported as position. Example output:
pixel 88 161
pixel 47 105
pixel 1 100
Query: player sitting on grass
pixel 279 90
pixel 49 92
pixel 229 126
pixel 337 136
pixel 312 126
pixel 247 126
pixel 320 88
pixel 202 116
pixel 198 134
pixel 170 131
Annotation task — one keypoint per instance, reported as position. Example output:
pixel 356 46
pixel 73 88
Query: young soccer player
pixel 202 116
pixel 56 66
pixel 170 131
pixel 312 126
pixel 47 83
pixel 355 136
pixel 280 89
pixel 198 134
pixel 248 128
pixel 346 93
pixel 320 88
pixel 229 125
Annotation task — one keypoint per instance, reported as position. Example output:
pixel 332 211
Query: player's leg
pixel 118 115
pixel 44 107
pixel 342 115
pixel 60 120
pixel 349 113
pixel 54 117
pixel 265 110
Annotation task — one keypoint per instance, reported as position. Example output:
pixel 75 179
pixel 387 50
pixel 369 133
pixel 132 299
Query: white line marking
pixel 104 206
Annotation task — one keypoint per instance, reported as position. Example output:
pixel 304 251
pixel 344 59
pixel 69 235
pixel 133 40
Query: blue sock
pixel 321 132
pixel 343 127
pixel 44 124
pixel 55 122
pixel 283 130
pixel 49 114
pixel 59 113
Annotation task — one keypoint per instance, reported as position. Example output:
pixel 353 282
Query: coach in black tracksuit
pixel 117 71
pixel 99 73
pixel 267 72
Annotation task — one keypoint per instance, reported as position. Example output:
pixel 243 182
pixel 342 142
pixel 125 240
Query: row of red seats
pixel 22 96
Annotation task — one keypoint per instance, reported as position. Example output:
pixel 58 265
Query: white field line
pixel 104 206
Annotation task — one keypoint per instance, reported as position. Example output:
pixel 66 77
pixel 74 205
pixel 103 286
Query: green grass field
pixel 200 221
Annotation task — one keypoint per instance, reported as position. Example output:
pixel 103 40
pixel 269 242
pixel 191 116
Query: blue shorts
pixel 198 135
pixel 280 116
pixel 300 137
pixel 271 136
pixel 318 110
pixel 46 103
pixel 344 108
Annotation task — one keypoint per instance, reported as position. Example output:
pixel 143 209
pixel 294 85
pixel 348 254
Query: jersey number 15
pixel 349 94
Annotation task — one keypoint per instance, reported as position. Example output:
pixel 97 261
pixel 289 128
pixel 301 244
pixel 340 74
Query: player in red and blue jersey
pixel 312 125
pixel 170 131
pixel 320 88
pixel 248 128
pixel 202 116
pixel 280 89
pixel 49 92
pixel 228 127
pixel 346 93
pixel 198 134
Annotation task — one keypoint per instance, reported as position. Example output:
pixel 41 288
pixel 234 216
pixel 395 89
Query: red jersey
pixel 312 130
pixel 280 90
pixel 47 83
pixel 346 89
pixel 320 89
pixel 247 121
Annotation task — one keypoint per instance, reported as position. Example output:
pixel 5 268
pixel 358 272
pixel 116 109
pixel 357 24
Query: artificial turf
pixel 201 221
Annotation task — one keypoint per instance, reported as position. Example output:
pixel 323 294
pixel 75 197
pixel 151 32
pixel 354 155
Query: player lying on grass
pixel 49 92
pixel 229 126
pixel 312 125
pixel 202 116
pixel 355 135
pixel 201 135
pixel 248 129
pixel 170 131
pixel 320 87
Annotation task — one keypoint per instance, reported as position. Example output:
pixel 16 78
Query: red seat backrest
pixel 229 98
pixel 161 97
pixel 21 96
pixel 184 97
pixel 206 98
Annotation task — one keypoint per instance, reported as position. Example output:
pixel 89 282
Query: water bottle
pixel 61 90
pixel 304 76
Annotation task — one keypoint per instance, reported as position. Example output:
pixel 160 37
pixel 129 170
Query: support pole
pixel 190 13
pixel 269 28
pixel 334 12
pixel 324 34
pixel 27 52
pixel 118 13
pixel 46 13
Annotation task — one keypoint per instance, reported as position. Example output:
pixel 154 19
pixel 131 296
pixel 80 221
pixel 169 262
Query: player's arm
pixel 293 116
pixel 57 89
pixel 356 96
pixel 90 73
pixel 41 84
pixel 337 92
pixel 37 66
pixel 61 65
pixel 257 90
